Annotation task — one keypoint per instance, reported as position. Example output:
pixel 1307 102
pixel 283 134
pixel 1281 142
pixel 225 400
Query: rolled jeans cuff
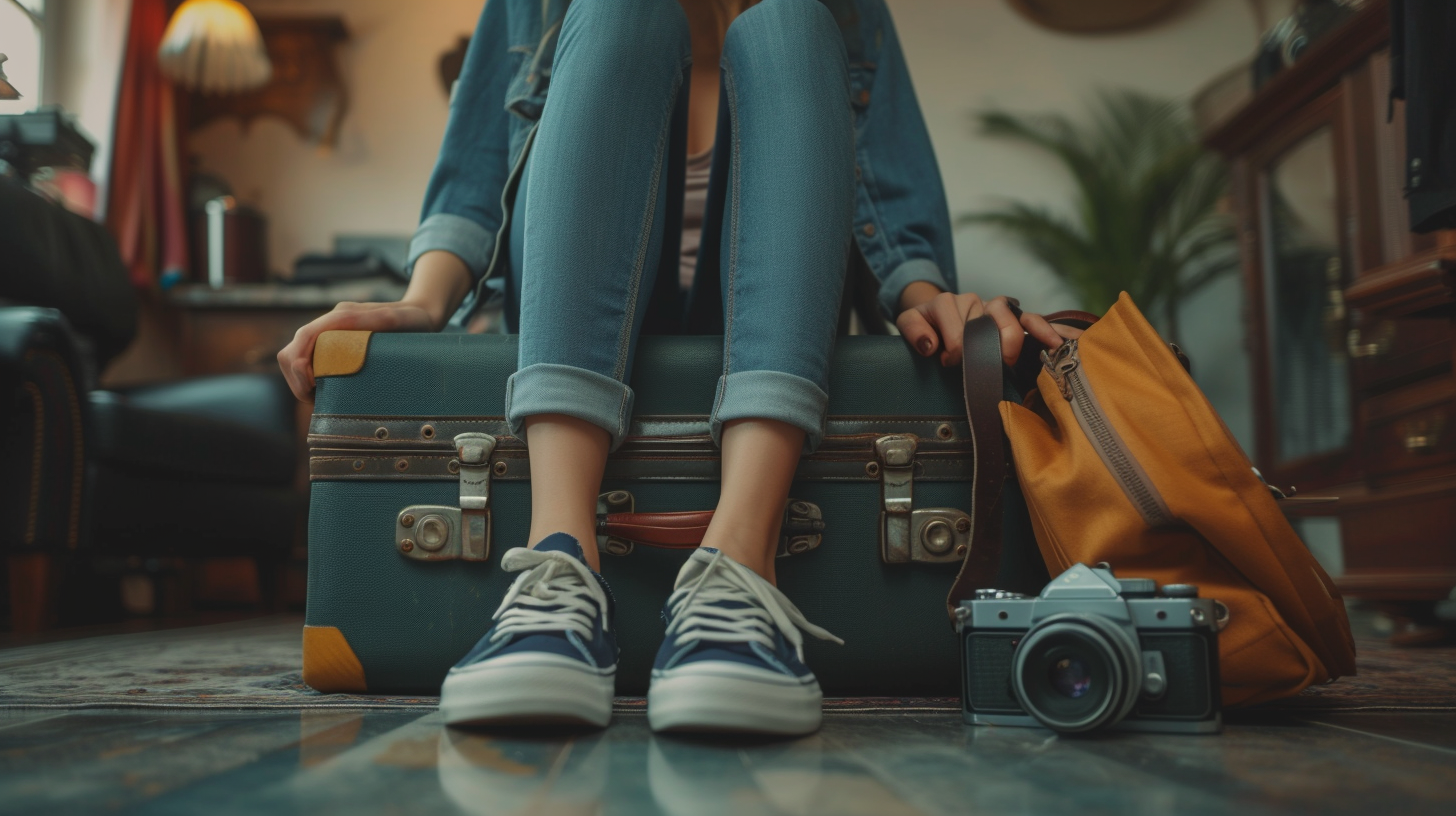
pixel 549 388
pixel 770 395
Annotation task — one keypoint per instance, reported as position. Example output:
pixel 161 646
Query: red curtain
pixel 146 211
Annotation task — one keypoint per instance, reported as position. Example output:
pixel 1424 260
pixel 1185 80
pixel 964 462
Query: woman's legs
pixel 596 222
pixel 787 218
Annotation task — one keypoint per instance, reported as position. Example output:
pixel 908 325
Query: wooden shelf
pixel 1421 282
pixel 1288 91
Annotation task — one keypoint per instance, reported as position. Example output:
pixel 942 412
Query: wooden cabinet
pixel 1350 318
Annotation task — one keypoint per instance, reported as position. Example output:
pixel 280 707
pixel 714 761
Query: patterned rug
pixel 254 665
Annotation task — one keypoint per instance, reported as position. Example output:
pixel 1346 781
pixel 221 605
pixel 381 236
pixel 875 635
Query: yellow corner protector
pixel 329 663
pixel 340 353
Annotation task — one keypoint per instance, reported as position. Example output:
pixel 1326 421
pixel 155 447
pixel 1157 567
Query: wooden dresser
pixel 1349 318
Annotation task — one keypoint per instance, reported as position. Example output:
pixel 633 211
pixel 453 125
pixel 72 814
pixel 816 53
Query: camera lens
pixel 1077 672
pixel 1071 677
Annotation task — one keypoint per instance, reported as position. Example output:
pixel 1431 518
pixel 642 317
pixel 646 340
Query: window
pixel 20 40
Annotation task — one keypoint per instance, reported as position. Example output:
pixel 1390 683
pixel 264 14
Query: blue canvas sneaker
pixel 733 658
pixel 551 656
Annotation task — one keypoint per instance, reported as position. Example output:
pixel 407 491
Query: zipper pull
pixel 1060 363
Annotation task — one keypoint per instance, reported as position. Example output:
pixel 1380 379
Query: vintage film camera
pixel 1093 652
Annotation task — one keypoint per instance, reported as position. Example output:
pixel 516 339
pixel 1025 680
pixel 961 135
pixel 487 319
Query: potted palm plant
pixel 1145 219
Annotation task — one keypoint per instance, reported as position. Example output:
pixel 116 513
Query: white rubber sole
pixel 725 697
pixel 528 689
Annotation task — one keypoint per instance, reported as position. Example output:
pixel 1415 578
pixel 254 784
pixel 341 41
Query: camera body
pixel 1092 652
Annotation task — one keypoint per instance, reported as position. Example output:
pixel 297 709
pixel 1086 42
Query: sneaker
pixel 733 658
pixel 550 657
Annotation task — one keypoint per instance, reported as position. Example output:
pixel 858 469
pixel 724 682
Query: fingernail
pixel 926 346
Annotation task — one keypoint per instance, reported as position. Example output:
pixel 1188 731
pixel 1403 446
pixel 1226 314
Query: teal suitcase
pixel 408 519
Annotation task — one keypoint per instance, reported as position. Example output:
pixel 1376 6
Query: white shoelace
pixel 557 593
pixel 696 617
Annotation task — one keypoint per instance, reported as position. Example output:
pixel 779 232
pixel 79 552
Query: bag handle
pixel 676 531
pixel 983 378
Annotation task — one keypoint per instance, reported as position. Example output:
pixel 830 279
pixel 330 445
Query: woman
pixel 699 167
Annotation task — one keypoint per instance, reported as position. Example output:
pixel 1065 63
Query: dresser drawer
pixel 1384 352
pixel 1411 428
pixel 1399 546
pixel 227 341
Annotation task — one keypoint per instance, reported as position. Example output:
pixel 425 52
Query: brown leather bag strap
pixel 982 384
pixel 982 379
pixel 677 531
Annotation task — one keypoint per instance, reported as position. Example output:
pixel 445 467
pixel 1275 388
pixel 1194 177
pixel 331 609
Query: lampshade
pixel 214 46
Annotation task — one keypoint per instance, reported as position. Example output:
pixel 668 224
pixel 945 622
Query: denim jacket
pixel 901 223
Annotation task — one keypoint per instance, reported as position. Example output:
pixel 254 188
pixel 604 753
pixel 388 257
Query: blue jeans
pixel 595 237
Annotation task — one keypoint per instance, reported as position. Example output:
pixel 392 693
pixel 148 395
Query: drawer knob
pixel 1377 344
pixel 1423 435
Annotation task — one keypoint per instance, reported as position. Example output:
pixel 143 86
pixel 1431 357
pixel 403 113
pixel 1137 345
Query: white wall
pixel 86 43
pixel 965 55
pixel 374 180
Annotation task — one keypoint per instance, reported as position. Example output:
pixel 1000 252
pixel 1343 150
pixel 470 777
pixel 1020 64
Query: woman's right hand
pixel 296 358
pixel 438 285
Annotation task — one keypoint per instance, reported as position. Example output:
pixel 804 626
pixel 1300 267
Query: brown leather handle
pixel 678 531
pixel 982 386
pixel 983 383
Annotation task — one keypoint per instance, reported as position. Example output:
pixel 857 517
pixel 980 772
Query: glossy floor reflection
pixel 388 762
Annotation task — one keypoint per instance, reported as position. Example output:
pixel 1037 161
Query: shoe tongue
pixel 561 542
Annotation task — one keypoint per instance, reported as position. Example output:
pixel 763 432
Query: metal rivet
pixel 945 431
pixel 358 464
pixel 402 465
pixel 381 433
pixel 799 508
pixel 428 431
pixel 961 551
pixel 963 525
pixel 500 468
pixel 869 229
pixel 407 520
pixel 406 545
pixel 1197 614
pixel 936 537
pixel 453 466
pixel 864 97
pixel 872 468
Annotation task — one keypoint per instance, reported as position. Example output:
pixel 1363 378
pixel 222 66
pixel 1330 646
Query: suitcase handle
pixel 619 532
pixel 675 531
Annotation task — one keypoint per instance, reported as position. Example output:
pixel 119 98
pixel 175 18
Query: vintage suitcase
pixel 406 527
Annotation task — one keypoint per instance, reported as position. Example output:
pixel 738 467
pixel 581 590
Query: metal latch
pixel 802 529
pixel 429 532
pixel 935 535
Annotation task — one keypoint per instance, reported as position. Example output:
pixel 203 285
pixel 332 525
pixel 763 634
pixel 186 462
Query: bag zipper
pixel 1065 367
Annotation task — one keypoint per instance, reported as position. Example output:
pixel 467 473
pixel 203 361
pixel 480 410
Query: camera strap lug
pixel 934 535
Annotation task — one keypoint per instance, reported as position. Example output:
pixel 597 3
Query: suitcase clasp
pixel 935 535
pixel 428 532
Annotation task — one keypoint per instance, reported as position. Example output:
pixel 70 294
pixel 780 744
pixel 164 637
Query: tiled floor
pixel 396 762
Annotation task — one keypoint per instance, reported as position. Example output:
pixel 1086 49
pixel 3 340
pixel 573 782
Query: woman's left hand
pixel 934 321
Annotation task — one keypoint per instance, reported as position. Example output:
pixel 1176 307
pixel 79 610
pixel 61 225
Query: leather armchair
pixel 195 468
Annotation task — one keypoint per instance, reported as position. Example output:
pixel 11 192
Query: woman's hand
pixel 934 321
pixel 437 287
pixel 296 358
